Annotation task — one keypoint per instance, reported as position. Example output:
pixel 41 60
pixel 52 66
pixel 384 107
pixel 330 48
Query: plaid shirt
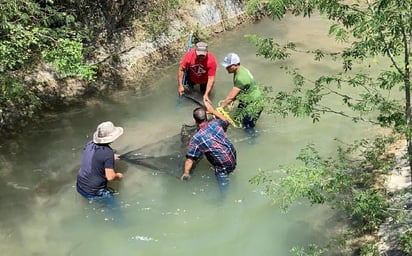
pixel 211 140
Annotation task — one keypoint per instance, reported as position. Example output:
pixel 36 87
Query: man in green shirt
pixel 245 90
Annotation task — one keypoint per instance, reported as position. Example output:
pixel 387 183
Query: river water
pixel 160 215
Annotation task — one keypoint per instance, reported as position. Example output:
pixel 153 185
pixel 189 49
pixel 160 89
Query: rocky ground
pixel 399 188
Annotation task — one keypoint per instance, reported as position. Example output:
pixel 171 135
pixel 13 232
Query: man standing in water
pixel 200 67
pixel 97 166
pixel 246 90
pixel 211 140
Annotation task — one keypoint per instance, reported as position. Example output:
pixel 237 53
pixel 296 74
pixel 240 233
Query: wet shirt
pixel 91 177
pixel 199 71
pixel 211 140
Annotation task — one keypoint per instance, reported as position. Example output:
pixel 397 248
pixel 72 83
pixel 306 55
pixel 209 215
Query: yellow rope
pixel 227 116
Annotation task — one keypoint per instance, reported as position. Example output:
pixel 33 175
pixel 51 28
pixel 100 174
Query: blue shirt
pixel 91 177
pixel 211 140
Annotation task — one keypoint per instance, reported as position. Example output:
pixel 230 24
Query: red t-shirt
pixel 199 70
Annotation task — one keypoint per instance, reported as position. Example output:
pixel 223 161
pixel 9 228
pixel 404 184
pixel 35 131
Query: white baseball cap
pixel 230 59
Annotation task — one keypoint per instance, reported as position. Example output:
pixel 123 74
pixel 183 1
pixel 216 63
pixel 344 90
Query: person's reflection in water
pixel 97 168
pixel 211 140
pixel 252 135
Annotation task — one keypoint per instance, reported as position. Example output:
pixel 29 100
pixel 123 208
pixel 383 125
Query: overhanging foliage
pixel 371 30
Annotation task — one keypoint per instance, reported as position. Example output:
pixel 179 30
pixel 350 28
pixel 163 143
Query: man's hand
pixel 186 170
pixel 116 156
pixel 208 106
pixel 206 99
pixel 181 90
pixel 185 176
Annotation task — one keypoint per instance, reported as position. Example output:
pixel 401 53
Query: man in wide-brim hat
pixel 97 166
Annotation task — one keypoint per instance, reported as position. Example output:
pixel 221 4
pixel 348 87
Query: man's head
pixel 199 114
pixel 231 62
pixel 201 50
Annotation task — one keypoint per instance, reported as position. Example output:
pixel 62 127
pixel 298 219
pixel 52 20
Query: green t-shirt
pixel 250 98
pixel 244 80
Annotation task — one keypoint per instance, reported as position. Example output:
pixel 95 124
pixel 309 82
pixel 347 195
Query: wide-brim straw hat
pixel 107 133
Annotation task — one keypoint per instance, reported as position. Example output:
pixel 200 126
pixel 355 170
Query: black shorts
pixel 201 86
pixel 191 84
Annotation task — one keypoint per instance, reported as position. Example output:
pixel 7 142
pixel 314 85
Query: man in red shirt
pixel 200 67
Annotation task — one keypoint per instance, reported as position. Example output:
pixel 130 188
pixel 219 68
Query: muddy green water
pixel 43 215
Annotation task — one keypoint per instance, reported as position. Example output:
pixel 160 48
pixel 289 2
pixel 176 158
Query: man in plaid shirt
pixel 211 140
